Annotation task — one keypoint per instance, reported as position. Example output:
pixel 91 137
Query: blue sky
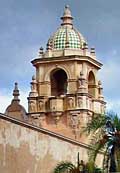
pixel 26 25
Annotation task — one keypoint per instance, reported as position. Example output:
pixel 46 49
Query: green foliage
pixel 116 122
pixel 68 167
pixel 98 170
pixel 105 131
pixel 63 167
pixel 97 122
pixel 90 166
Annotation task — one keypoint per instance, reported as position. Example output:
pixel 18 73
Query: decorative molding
pixel 38 61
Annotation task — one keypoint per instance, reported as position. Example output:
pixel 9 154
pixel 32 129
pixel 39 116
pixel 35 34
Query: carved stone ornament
pixel 80 102
pixel 70 102
pixel 32 106
pixel 40 105
pixel 75 121
pixel 79 83
pixel 56 117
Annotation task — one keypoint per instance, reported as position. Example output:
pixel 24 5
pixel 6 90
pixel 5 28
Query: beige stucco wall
pixel 26 150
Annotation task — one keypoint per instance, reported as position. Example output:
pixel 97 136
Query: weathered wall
pixel 25 149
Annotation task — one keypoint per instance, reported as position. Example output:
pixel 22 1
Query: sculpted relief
pixel 75 121
pixel 80 102
pixel 32 106
pixel 40 105
pixel 70 102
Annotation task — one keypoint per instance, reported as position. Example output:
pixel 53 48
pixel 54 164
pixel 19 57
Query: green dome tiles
pixel 74 40
pixel 63 36
pixel 60 39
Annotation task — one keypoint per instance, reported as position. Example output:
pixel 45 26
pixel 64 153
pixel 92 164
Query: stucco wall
pixel 26 150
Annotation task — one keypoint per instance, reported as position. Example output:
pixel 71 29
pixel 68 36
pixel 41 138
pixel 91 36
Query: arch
pixel 58 80
pixel 91 83
pixel 47 75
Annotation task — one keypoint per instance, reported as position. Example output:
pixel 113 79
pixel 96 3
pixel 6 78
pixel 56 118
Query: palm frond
pixel 96 148
pixel 114 119
pixel 116 122
pixel 64 166
pixel 96 123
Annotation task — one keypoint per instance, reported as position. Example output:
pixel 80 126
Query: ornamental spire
pixel 16 93
pixel 67 17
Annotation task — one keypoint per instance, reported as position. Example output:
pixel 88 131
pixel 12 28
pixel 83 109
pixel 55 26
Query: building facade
pixel 65 94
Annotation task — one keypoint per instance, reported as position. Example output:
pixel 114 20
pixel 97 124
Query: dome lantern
pixel 67 17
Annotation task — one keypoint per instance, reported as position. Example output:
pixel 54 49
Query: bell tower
pixel 65 92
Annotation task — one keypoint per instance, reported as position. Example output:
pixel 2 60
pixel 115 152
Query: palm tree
pixel 68 167
pixel 105 130
pixel 65 167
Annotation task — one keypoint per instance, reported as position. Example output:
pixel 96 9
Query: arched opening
pixel 58 79
pixel 91 84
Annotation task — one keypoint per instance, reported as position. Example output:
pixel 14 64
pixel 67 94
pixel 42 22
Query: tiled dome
pixel 66 36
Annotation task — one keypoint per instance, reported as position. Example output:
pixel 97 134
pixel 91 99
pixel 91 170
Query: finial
pixel 67 17
pixel 85 45
pixel 92 51
pixel 33 92
pixel 49 46
pixel 41 51
pixel 67 12
pixel 16 86
pixel 16 92
pixel 33 78
pixel 100 90
pixel 99 82
pixel 67 6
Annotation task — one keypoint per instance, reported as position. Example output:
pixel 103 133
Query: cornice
pixel 37 62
